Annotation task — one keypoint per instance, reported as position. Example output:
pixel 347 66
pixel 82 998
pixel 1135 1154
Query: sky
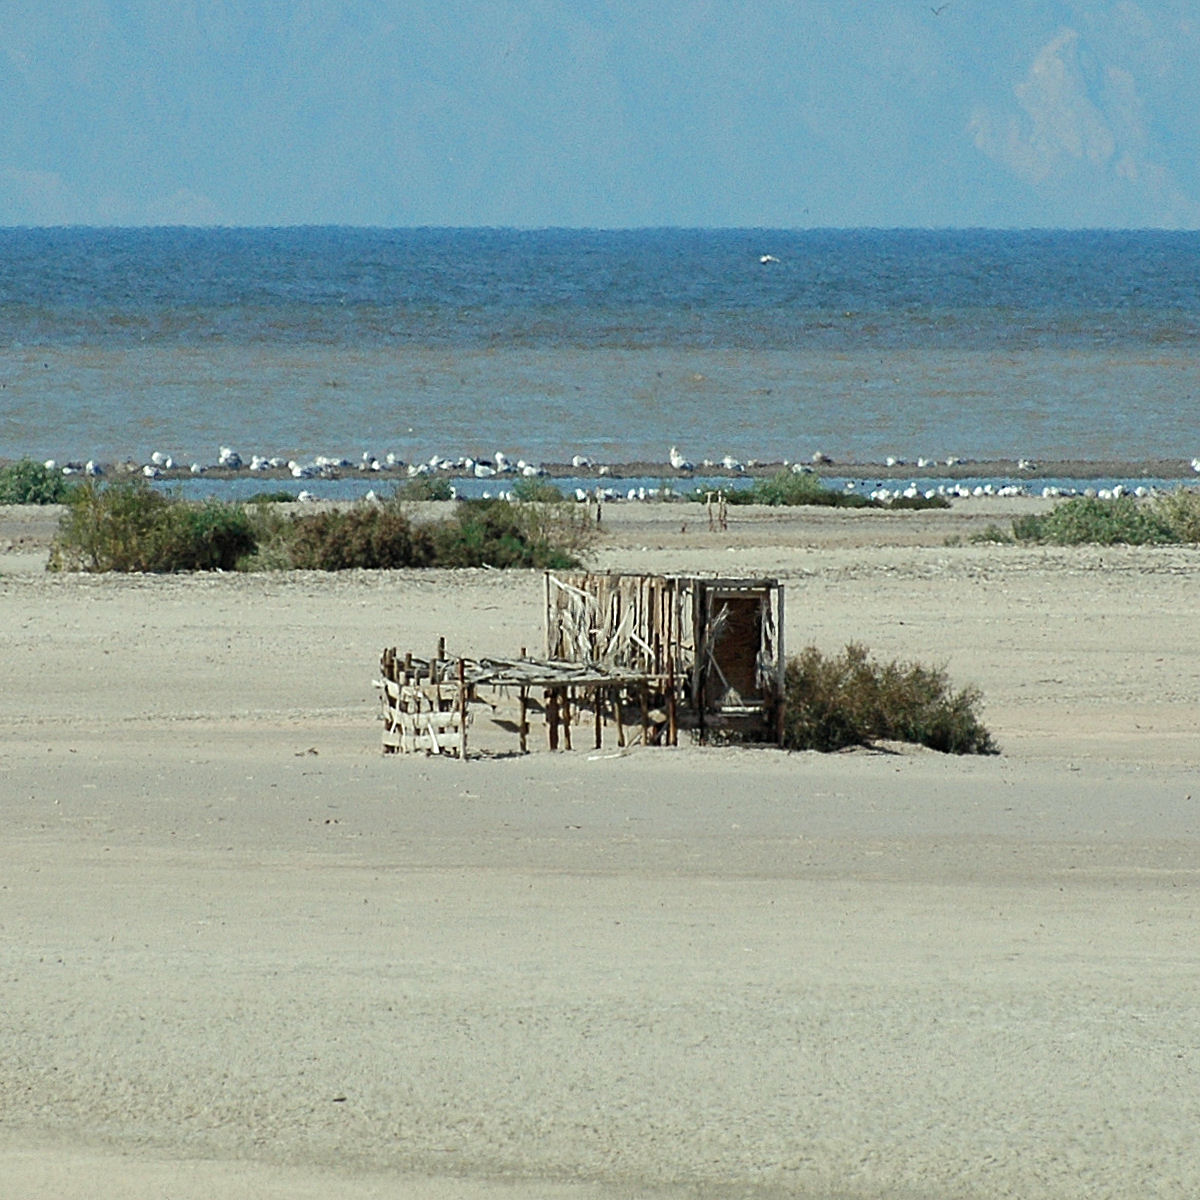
pixel 601 113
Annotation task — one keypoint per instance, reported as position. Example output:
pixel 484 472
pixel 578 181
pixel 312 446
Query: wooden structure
pixel 718 643
pixel 427 703
pixel 650 653
pixel 422 709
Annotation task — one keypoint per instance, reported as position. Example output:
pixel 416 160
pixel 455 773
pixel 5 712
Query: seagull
pixel 677 461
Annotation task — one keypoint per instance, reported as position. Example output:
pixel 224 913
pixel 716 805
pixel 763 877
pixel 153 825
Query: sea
pixel 759 344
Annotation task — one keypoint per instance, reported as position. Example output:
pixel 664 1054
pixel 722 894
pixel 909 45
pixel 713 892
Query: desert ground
pixel 245 954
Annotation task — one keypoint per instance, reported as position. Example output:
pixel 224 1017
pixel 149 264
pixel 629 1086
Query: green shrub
pixel 788 488
pixel 918 503
pixel 1088 520
pixel 852 700
pixel 538 491
pixel 1180 510
pixel 29 482
pixel 424 487
pixel 495 533
pixel 367 537
pixel 128 526
pixel 279 497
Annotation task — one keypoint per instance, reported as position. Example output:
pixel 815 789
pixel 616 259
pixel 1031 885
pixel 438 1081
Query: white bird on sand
pixel 677 461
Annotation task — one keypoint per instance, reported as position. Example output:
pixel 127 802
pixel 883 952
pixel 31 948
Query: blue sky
pixel 605 113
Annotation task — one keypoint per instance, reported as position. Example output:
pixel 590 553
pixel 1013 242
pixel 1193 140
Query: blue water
pixel 860 344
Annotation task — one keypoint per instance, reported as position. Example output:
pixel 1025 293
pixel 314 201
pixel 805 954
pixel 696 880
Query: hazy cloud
pixel 1081 123
pixel 183 207
pixel 33 197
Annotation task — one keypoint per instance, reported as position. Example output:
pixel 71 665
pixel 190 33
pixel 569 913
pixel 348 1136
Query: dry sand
pixel 246 955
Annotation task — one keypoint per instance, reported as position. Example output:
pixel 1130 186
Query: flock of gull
pixel 500 467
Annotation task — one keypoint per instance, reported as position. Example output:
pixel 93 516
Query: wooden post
pixel 524 727
pixel 596 698
pixel 566 718
pixel 780 669
pixel 672 726
pixel 619 715
pixel 462 712
pixel 644 697
pixel 552 716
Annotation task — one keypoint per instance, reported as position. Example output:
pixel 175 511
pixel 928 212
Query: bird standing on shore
pixel 677 461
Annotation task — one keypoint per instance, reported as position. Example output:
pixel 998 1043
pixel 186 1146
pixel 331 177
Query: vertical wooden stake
pixel 566 718
pixel 672 727
pixel 620 717
pixel 597 695
pixel 524 728
pixel 552 716
pixel 462 712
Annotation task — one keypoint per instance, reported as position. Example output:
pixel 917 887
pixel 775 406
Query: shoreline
pixel 1170 468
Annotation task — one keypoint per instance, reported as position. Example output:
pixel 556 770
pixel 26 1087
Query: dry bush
pixel 852 700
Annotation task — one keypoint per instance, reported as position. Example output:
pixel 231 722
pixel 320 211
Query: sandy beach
pixel 245 954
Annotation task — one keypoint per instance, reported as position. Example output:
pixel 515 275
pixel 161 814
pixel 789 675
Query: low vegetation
pixel 424 487
pixel 129 526
pixel 1173 517
pixel 789 488
pixel 849 699
pixel 29 482
pixel 537 491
